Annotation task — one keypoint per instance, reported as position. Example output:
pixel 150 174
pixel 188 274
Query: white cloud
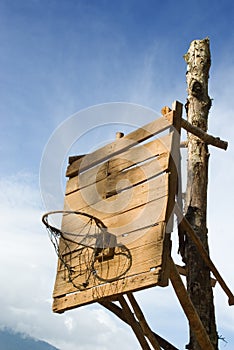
pixel 28 267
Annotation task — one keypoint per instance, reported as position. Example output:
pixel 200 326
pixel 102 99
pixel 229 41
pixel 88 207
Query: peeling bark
pixel 197 108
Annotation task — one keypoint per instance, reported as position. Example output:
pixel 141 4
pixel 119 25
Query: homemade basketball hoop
pixel 90 242
pixel 114 232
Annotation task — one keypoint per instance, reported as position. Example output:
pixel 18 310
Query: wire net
pixel 87 252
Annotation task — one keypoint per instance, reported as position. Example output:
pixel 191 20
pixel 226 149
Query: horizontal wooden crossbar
pixel 123 144
pixel 209 139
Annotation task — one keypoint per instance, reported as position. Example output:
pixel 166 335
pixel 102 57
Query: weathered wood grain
pixel 131 187
pixel 143 259
pixel 92 196
pixel 118 163
pixel 121 286
pixel 122 144
pixel 117 182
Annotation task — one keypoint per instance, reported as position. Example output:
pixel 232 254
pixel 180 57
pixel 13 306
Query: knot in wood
pixel 197 89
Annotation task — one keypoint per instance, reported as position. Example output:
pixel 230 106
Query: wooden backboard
pixel 129 184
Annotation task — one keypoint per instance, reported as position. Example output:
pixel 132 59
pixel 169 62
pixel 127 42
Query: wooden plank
pixel 140 237
pixel 124 180
pixel 121 223
pixel 143 260
pixel 138 282
pixel 208 139
pixel 143 216
pixel 64 286
pixel 189 309
pixel 174 165
pixel 122 144
pixel 140 153
pixel 121 181
pixel 145 236
pixel 89 177
pixel 146 254
pixel 121 202
pixel 149 250
pixel 151 236
pixel 119 163
pixel 136 327
pixel 143 323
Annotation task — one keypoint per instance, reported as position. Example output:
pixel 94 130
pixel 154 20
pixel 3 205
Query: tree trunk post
pixel 197 108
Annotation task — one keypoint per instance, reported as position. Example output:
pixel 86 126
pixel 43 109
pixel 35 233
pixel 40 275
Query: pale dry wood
pixel 150 236
pixel 63 286
pixel 117 183
pixel 189 309
pixel 122 144
pixel 144 259
pixel 142 321
pixel 138 282
pixel 109 270
pixel 147 253
pixel 143 216
pixel 136 327
pixel 140 153
pixel 174 165
pixel 133 239
pixel 124 160
pixel 140 173
pixel 91 176
pixel 121 223
pixel 123 201
pixel 208 139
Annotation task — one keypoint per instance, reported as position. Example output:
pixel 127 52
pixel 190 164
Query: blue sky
pixel 59 57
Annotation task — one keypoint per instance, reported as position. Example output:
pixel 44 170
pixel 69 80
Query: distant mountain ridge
pixel 10 340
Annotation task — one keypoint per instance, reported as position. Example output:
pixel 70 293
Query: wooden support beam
pixel 121 144
pixel 143 323
pixel 208 139
pixel 118 311
pixel 134 324
pixel 189 309
pixel 189 230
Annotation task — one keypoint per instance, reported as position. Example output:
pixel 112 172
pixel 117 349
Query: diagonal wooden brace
pixel 143 323
pixel 189 230
pixel 119 312
pixel 134 324
pixel 189 309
